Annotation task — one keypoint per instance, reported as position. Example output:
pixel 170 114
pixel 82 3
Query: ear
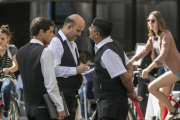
pixel 97 33
pixel 41 32
pixel 69 26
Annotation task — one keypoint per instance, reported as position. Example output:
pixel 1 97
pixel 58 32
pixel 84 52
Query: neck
pixel 98 41
pixel 155 31
pixel 65 33
pixel 38 38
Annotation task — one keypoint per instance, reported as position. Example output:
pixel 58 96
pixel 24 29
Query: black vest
pixel 104 86
pixel 28 59
pixel 69 85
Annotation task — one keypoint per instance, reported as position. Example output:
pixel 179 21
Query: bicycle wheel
pixel 14 111
pixel 131 115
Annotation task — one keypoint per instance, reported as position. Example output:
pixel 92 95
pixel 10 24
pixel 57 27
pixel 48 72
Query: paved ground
pixel 23 113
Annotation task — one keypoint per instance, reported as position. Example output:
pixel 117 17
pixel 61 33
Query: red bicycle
pixel 175 100
pixel 135 112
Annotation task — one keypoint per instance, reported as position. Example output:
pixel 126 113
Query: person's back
pixel 35 62
pixel 31 74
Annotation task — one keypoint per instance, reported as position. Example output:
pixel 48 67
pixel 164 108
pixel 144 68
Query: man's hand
pixel 82 68
pixel 61 114
pixel 133 96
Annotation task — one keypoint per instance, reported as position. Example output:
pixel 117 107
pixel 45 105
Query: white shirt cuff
pixel 73 70
pixel 60 108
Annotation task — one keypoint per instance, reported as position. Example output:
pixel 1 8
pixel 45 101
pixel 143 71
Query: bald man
pixel 66 61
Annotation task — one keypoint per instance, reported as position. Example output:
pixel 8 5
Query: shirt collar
pixel 103 42
pixel 36 41
pixel 64 38
pixel 62 35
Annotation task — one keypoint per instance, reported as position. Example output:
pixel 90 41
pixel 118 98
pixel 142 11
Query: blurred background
pixel 128 16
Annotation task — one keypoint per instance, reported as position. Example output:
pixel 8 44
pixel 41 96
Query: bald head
pixel 73 26
pixel 73 19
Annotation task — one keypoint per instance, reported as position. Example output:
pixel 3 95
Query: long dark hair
pixel 160 21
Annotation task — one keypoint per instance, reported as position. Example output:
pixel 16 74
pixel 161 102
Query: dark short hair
pixel 103 26
pixel 69 20
pixel 40 23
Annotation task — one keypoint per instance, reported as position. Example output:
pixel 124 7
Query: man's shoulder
pixel 31 45
pixel 21 48
pixel 56 40
pixel 114 45
pixel 47 51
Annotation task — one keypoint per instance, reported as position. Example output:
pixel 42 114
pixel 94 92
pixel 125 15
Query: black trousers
pixel 71 117
pixel 37 112
pixel 122 109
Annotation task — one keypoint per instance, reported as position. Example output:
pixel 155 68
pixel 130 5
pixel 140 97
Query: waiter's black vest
pixel 28 59
pixel 69 85
pixel 104 86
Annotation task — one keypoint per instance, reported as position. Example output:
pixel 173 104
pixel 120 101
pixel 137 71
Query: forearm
pixel 129 86
pixel 14 66
pixel 152 66
pixel 130 70
pixel 65 71
pixel 56 98
pixel 127 82
pixel 13 69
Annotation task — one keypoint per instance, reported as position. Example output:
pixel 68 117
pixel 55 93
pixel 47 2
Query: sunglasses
pixel 152 20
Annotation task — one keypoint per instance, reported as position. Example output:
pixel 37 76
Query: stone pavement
pixel 23 113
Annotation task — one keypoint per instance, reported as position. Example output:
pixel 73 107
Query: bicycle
pixel 176 100
pixel 135 112
pixel 14 111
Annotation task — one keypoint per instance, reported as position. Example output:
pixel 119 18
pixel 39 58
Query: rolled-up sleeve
pixel 114 66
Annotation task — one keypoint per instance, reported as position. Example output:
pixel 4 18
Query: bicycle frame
pixel 138 110
pixel 1 104
pixel 166 111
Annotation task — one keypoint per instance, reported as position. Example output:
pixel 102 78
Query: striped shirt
pixel 6 60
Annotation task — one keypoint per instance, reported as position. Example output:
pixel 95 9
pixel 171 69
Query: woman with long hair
pixel 8 65
pixel 163 52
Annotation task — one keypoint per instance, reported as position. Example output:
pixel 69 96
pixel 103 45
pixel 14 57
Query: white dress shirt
pixel 58 51
pixel 111 60
pixel 50 81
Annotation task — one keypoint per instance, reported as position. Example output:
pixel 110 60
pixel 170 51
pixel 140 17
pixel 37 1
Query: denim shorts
pixel 177 74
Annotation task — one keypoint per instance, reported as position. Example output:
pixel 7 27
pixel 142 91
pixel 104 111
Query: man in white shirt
pixel 35 62
pixel 113 73
pixel 67 66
